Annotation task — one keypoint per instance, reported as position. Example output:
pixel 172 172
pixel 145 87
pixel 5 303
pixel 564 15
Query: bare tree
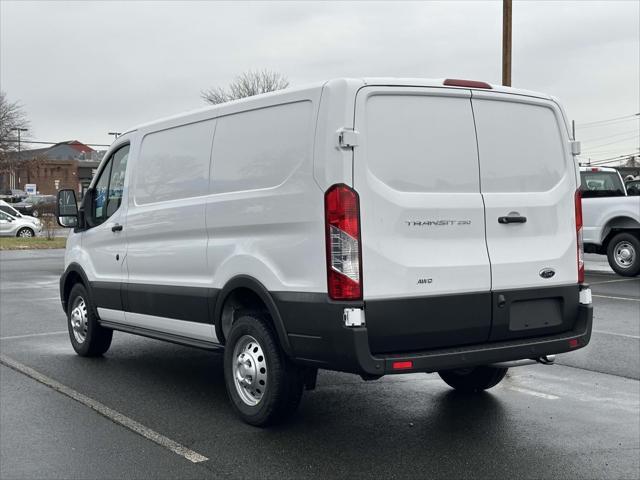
pixel 12 116
pixel 246 85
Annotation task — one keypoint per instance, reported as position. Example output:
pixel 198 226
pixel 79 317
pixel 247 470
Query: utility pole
pixel 12 173
pixel 506 43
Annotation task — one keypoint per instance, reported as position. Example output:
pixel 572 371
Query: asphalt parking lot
pixel 577 419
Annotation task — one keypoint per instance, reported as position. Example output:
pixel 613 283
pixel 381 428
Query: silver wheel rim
pixel 624 254
pixel 25 232
pixel 249 370
pixel 78 319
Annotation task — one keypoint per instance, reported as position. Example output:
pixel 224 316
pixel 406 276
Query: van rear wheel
pixel 623 253
pixel 475 379
pixel 264 387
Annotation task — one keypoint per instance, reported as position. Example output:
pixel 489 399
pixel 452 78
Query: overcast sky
pixel 82 69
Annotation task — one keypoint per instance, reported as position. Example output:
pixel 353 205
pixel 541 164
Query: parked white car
pixel 7 208
pixel 376 226
pixel 11 226
pixel 611 219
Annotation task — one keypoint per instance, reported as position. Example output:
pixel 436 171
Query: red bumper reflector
pixel 401 365
pixel 573 343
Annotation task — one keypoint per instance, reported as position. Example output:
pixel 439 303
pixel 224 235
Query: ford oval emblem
pixel 547 272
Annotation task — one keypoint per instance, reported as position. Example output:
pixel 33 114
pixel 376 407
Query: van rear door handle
pixel 116 228
pixel 512 219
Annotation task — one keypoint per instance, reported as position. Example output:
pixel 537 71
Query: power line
pixel 55 143
pixel 626 139
pixel 610 136
pixel 619 158
pixel 607 162
pixel 610 149
pixel 616 119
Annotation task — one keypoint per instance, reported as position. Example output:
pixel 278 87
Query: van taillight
pixel 578 203
pixel 344 260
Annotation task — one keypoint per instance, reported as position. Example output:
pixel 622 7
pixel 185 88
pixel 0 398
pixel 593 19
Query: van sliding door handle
pixel 512 219
pixel 116 228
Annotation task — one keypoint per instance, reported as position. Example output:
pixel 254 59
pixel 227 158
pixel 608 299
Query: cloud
pixel 84 68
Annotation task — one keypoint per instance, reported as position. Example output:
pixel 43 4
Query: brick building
pixel 70 164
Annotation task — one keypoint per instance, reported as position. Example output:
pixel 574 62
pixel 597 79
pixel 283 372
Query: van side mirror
pixel 67 209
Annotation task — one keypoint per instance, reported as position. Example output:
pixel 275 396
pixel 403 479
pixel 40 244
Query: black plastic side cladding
pixel 250 283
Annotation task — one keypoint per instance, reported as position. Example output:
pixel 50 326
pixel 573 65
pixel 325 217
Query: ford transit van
pixel 371 226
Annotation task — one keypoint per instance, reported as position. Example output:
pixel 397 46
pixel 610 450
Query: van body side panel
pixel 264 213
pixel 422 215
pixel 167 237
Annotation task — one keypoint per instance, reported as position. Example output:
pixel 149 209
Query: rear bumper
pixel 472 355
pixel 318 337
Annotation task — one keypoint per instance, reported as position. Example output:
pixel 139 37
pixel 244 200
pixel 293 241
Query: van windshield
pixel 601 184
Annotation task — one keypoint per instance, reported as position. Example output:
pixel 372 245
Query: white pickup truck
pixel 611 219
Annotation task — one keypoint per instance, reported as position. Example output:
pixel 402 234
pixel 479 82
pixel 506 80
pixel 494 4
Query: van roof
pixel 197 114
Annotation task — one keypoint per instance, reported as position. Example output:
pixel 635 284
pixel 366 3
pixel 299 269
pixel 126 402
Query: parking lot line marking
pixel 105 411
pixel 14 337
pixel 617 334
pixel 617 298
pixel 613 281
pixel 533 393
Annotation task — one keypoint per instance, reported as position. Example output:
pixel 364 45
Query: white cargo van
pixel 372 226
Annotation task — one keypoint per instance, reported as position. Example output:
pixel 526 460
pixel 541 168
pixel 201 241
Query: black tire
pixel 97 339
pixel 284 380
pixel 26 232
pixel 474 379
pixel 630 243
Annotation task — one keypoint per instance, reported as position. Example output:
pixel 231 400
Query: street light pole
pixel 506 43
pixel 12 173
pixel 115 135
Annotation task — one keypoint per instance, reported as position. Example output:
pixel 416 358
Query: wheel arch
pixel 72 275
pixel 245 292
pixel 616 225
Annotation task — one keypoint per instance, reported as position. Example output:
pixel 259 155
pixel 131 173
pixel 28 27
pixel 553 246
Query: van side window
pixel 116 182
pixel 108 189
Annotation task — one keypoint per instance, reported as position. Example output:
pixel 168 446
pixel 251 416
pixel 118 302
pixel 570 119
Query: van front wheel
pixel 264 387
pixel 88 337
pixel 474 379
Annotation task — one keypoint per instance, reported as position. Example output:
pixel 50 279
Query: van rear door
pixel 425 268
pixel 528 183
